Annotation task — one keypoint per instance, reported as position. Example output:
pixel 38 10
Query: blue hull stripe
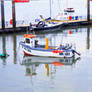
pixel 40 49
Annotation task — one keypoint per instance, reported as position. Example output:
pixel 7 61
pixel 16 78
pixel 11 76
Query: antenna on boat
pixel 59 5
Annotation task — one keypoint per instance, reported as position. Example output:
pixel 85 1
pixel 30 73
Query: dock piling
pixel 2 14
pixel 88 10
pixel 13 14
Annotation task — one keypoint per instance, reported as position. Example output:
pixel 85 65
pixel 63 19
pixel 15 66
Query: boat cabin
pixel 30 40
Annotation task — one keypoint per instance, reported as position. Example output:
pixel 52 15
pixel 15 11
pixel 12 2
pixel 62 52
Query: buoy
pixel 3 55
pixel 11 21
pixel 70 32
pixel 76 17
pixel 70 17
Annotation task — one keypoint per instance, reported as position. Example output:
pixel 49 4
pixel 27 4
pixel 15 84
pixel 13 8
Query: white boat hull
pixel 46 53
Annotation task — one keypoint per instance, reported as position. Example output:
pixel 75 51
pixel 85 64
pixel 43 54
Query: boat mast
pixel 50 8
pixel 88 10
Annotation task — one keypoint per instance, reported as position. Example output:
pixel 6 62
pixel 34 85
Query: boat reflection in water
pixel 32 63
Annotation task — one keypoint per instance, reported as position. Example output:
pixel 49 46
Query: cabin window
pixel 61 54
pixel 67 53
pixel 27 40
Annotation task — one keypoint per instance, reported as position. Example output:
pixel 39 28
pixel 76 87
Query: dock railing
pixel 19 23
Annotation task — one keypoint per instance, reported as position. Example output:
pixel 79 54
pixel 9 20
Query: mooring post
pixel 13 14
pixel 88 10
pixel 2 14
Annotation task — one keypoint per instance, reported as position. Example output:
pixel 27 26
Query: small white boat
pixel 31 47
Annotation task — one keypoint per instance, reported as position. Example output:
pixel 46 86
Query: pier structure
pixel 23 27
pixel 13 12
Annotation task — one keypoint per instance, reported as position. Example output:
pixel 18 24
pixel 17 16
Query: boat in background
pixel 46 24
pixel 31 47
pixel 66 14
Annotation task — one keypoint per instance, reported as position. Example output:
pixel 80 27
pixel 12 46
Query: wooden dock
pixel 25 28
pixel 9 29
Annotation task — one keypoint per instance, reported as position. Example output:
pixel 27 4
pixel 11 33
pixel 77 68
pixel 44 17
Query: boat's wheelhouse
pixel 30 40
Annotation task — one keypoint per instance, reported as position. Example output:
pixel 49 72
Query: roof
pixel 29 36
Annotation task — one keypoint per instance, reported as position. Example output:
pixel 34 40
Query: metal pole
pixel 88 10
pixel 50 8
pixel 2 14
pixel 13 14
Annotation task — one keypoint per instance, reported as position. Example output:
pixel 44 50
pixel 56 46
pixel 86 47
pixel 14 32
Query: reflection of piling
pixel 4 48
pixel 88 10
pixel 14 47
pixel 13 14
pixel 88 38
pixel 2 14
pixel 4 44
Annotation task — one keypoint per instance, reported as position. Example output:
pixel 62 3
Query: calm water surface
pixel 37 74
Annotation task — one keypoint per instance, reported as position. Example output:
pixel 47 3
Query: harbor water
pixel 19 73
